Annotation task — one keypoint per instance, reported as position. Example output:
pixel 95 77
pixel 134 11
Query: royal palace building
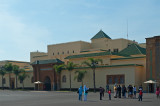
pixel 124 62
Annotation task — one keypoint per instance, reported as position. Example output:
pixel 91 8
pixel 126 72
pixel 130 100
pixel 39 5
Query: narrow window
pixel 64 78
pixel 4 81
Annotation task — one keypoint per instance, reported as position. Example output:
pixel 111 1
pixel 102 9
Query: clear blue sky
pixel 30 25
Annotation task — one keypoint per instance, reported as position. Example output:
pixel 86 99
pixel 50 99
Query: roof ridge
pixel 100 34
pixel 137 48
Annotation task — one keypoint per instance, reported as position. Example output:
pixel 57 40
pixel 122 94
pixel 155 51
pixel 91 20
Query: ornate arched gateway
pixel 47 84
pixel 43 71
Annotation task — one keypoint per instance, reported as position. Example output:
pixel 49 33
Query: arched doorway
pixel 47 84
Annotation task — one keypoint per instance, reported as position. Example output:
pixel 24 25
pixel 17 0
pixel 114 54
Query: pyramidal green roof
pixel 133 49
pixel 47 61
pixel 100 34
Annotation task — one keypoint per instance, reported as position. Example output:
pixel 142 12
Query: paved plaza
pixel 52 98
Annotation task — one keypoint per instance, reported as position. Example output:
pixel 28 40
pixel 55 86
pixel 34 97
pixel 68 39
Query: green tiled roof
pixel 127 58
pixel 133 49
pixel 122 65
pixel 89 55
pixel 47 61
pixel 100 34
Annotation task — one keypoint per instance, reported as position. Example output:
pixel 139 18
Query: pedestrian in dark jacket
pixel 101 92
pixel 119 91
pixel 124 90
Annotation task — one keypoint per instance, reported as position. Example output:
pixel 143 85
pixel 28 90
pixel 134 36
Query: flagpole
pixel 127 29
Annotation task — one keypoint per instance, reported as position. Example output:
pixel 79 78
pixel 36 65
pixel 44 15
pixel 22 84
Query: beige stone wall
pixel 119 44
pixel 105 60
pixel 104 43
pixel 63 50
pixel 27 81
pixel 101 43
pixel 38 56
pixel 128 71
pixel 129 61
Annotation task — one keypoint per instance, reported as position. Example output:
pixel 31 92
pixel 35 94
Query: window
pixel 4 81
pixel 53 53
pixel 115 50
pixel 118 79
pixel 110 80
pixel 73 51
pixel 62 52
pixel 121 80
pixel 21 81
pixel 64 78
pixel 68 52
pixel 58 53
pixel 32 80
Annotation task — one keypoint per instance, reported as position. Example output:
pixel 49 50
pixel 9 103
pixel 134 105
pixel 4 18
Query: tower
pixel 153 58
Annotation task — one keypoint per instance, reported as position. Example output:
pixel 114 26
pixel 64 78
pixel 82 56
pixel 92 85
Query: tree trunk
pixel 16 81
pixel 94 80
pixel 59 81
pixel 2 83
pixel 23 85
pixel 70 79
pixel 9 81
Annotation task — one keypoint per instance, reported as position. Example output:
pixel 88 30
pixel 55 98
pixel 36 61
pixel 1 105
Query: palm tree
pixel 9 68
pixel 58 70
pixel 16 71
pixel 80 75
pixel 92 63
pixel 23 76
pixel 2 73
pixel 70 66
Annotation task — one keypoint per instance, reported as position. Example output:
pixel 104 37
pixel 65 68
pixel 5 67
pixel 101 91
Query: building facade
pixel 124 62
pixel 28 82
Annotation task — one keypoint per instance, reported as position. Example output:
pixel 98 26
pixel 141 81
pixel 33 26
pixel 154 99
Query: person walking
pixel 157 92
pixel 115 91
pixel 80 91
pixel 85 89
pixel 140 94
pixel 109 92
pixel 119 91
pixel 100 92
pixel 134 91
pixel 123 91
